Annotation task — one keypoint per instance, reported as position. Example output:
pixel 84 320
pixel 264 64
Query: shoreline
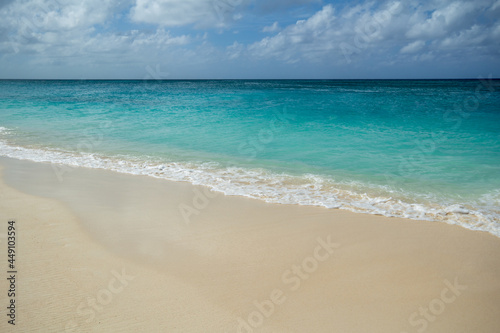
pixel 284 188
pixel 226 263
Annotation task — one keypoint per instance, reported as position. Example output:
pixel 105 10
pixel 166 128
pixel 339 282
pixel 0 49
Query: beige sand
pixel 107 252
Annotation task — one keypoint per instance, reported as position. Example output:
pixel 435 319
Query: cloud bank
pixel 243 38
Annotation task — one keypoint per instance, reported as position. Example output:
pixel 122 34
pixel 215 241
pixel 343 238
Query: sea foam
pixel 308 189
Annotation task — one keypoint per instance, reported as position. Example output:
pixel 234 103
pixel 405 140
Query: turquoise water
pixel 419 149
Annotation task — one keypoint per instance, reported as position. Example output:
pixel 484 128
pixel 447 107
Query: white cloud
pixel 234 51
pixel 50 24
pixel 413 47
pixel 496 5
pixel 322 34
pixel 201 13
pixel 271 28
pixel 52 15
pixel 304 37
pixel 51 34
pixel 444 20
pixel 38 34
pixel 470 37
pixel 370 31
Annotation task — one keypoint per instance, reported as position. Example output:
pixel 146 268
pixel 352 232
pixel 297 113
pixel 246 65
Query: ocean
pixel 420 149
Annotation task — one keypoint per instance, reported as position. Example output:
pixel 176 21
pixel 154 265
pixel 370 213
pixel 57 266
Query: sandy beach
pixel 98 251
pixel 230 166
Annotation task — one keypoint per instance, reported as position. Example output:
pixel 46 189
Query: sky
pixel 249 39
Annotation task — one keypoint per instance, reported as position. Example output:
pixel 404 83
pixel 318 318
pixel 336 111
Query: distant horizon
pixel 243 79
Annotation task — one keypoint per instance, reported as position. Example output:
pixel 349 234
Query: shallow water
pixel 418 149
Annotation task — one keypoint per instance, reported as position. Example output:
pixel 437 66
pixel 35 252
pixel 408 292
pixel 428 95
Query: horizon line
pixel 302 79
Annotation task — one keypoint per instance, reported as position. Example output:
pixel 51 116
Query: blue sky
pixel 199 39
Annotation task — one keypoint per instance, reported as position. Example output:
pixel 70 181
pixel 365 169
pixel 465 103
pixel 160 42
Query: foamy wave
pixel 311 190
